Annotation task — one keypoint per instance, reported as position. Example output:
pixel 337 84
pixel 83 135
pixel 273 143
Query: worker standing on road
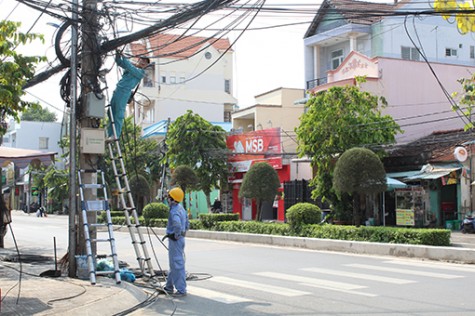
pixel 120 98
pixel 177 226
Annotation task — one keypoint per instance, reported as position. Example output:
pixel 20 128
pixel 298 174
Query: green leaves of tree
pixel 15 69
pixel 195 142
pixel 336 120
pixel 38 114
pixel 261 183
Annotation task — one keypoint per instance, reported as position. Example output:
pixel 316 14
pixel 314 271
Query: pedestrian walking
pixel 177 227
pixel 120 98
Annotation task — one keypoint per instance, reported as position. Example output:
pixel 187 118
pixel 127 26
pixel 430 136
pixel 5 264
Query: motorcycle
pixel 468 225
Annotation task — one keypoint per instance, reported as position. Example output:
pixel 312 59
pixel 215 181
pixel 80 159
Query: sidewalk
pixel 55 296
pixel 59 295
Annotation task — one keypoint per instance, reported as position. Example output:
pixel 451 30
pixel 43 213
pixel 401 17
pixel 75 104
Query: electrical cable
pixel 19 260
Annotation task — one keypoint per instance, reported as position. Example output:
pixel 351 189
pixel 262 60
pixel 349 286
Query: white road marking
pixel 319 283
pixel 259 286
pixel 216 296
pixel 315 282
pixel 362 276
pixel 341 290
pixel 435 265
pixel 405 271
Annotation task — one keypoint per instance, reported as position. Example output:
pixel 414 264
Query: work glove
pixel 171 236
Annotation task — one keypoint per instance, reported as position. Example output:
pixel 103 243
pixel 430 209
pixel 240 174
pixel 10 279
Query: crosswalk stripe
pixel 216 296
pixel 405 271
pixel 313 281
pixel 259 287
pixel 435 265
pixel 360 275
pixel 341 290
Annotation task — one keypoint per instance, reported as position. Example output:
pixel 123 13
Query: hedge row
pixel 229 222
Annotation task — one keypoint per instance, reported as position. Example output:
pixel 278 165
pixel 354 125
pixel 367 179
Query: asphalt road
pixel 229 278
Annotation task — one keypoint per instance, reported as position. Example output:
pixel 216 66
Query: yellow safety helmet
pixel 176 194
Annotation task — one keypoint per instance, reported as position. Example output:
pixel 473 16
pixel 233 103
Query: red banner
pixel 262 145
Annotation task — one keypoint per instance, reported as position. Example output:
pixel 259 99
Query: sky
pixel 265 59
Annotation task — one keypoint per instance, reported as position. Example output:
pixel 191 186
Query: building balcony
pixel 316 82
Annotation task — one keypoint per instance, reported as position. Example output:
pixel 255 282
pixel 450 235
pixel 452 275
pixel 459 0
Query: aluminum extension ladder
pixel 126 200
pixel 98 206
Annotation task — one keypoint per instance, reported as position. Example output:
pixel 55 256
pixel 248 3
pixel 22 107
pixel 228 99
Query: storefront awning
pixel 394 184
pixel 23 157
pixel 434 171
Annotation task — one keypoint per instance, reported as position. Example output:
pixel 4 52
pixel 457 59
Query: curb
pixel 456 253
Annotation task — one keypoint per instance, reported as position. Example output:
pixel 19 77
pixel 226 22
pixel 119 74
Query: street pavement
pixel 25 292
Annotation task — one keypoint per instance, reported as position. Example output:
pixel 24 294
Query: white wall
pixel 27 134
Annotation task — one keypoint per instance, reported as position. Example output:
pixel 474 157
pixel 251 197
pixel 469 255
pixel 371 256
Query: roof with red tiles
pixel 178 46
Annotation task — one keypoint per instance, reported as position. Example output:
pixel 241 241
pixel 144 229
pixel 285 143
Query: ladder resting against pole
pixel 98 206
pixel 126 200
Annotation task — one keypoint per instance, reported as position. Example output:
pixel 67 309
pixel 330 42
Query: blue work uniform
pixel 131 77
pixel 177 225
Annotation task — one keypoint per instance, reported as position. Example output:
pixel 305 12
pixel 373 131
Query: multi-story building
pixel 28 142
pixel 413 61
pixel 188 73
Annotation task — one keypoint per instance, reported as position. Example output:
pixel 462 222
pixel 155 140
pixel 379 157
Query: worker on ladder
pixel 177 226
pixel 123 91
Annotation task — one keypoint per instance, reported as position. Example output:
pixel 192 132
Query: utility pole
pixel 90 64
pixel 72 143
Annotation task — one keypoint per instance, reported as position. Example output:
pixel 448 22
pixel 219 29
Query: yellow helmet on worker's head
pixel 176 194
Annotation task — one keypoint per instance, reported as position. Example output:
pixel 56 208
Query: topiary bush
pixel 209 220
pixel 301 214
pixel 154 210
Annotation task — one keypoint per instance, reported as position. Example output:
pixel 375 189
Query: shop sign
pixel 254 146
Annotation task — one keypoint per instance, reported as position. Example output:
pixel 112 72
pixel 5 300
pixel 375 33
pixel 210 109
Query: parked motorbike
pixel 468 225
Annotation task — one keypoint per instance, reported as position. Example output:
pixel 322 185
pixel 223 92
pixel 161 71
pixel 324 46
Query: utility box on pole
pixel 92 141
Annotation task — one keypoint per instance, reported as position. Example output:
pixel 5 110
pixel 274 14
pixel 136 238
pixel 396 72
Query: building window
pixel 208 55
pixel 43 143
pixel 410 53
pixel 472 52
pixel 450 52
pixel 164 79
pixel 227 86
pixel 172 79
pixel 227 116
pixel 337 58
pixel 182 79
pixel 149 78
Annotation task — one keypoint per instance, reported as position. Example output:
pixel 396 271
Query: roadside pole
pixel 72 144
pixel 90 64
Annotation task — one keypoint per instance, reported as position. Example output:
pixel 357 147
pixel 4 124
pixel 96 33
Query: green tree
pixel 15 69
pixel 195 142
pixel 186 178
pixel 141 190
pixel 336 120
pixel 57 183
pixel 359 171
pixel 261 183
pixel 38 114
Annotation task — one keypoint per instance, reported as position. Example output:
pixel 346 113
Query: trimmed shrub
pixel 301 214
pixel 196 224
pixel 253 227
pixel 209 220
pixel 154 210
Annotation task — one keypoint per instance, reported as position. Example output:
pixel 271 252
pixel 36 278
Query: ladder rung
pixel 106 272
pixel 99 224
pixel 100 240
pixel 95 205
pixel 89 171
pixel 92 185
